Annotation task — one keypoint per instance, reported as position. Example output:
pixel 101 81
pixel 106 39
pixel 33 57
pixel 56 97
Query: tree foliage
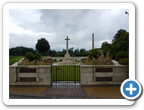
pixel 42 45
pixel 37 56
pixel 118 35
pixel 20 51
pixel 104 45
pixel 94 53
pixel 119 48
pixel 29 56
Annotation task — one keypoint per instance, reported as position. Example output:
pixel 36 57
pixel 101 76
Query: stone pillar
pixel 92 40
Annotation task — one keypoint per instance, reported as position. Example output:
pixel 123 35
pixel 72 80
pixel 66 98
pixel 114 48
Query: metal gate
pixel 65 74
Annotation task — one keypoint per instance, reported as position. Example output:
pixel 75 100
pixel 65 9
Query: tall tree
pixel 120 45
pixel 104 44
pixel 117 35
pixel 42 45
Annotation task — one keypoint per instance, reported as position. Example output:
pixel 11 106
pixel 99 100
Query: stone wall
pixel 90 74
pixel 30 75
pixel 103 74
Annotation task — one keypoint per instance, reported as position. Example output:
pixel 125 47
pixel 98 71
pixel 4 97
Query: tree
pixel 42 45
pixel 82 51
pixel 64 51
pixel 117 35
pixel 119 48
pixel 20 51
pixel 94 54
pixel 70 50
pixel 106 47
pixel 76 51
pixel 104 44
pixel 120 45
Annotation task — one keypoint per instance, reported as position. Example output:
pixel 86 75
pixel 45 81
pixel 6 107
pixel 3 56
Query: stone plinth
pixel 67 61
pixel 67 56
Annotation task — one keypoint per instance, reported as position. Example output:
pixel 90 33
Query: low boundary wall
pixel 30 75
pixel 103 74
pixel 89 74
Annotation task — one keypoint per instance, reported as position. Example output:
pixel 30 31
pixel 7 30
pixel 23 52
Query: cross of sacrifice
pixel 67 44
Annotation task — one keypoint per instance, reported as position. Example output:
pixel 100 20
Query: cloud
pixel 27 26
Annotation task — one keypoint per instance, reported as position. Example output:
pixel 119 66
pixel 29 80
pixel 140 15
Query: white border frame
pixel 8 6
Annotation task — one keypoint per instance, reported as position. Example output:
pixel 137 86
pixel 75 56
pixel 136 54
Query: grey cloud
pixel 77 24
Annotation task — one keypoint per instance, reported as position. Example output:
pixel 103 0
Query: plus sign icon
pixel 131 89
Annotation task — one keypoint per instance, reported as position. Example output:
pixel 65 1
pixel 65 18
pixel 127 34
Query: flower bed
pixel 35 62
pixel 102 60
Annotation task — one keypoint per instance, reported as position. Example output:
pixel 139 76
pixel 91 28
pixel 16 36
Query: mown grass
pixel 13 59
pixel 65 73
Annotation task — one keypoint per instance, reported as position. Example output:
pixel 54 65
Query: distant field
pixel 13 59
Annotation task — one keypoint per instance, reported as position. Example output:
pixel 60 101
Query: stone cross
pixel 67 45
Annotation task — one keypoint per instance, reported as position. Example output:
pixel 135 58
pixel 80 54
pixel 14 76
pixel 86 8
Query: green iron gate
pixel 65 74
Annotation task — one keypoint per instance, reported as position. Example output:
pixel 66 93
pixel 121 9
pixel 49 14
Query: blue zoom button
pixel 130 89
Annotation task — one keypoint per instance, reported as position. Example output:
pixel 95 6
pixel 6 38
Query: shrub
pixel 29 56
pixel 124 61
pixel 60 60
pixel 100 61
pixel 94 54
pixel 26 62
pixel 121 54
pixel 54 60
pixel 37 56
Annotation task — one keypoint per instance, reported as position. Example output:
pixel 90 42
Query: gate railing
pixel 65 74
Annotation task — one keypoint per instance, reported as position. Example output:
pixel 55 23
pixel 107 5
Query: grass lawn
pixel 13 59
pixel 79 61
pixel 65 73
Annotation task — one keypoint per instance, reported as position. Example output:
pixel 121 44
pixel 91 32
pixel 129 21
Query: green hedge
pixel 124 61
pixel 121 55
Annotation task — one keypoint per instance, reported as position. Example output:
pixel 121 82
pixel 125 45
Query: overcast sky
pixel 27 26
